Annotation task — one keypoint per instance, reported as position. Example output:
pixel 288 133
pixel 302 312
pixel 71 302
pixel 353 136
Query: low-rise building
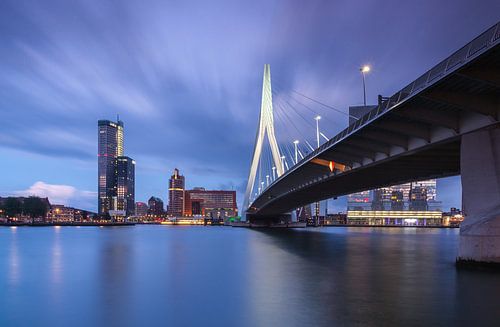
pixel 205 203
pixel 395 218
pixel 141 209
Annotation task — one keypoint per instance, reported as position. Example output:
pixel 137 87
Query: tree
pixel 12 207
pixel 34 207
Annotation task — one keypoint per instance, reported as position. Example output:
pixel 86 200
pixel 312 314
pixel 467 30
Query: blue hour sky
pixel 185 77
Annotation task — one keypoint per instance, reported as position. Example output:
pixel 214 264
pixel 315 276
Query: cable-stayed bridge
pixel 444 123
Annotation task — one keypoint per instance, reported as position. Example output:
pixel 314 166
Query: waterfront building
pixel 155 207
pixel 418 199
pixel 359 201
pixel 141 209
pixel 395 218
pixel 125 191
pixel 210 203
pixel 176 194
pixel 61 213
pixel 453 218
pixel 110 147
pixel 397 201
pixel 377 202
pixel 336 219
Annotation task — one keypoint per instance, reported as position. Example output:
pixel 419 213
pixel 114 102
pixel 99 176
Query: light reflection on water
pixel 198 276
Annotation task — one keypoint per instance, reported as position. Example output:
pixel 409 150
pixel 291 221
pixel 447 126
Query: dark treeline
pixel 32 206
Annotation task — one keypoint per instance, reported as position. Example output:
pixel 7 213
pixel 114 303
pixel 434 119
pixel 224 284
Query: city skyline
pixel 53 90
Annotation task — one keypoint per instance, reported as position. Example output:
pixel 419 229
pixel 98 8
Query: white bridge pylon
pixel 266 125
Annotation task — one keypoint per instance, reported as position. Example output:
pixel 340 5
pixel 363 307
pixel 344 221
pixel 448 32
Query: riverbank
pixel 39 224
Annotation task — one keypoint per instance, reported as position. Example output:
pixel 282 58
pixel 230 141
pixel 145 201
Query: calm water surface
pixel 222 276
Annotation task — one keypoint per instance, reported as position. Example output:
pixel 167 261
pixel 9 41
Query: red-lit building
pixel 207 203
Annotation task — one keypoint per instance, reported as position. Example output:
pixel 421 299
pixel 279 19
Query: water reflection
pixel 14 259
pixel 197 276
pixel 113 275
pixel 367 275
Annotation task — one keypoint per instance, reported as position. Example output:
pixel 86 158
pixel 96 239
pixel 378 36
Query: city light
pixel 365 69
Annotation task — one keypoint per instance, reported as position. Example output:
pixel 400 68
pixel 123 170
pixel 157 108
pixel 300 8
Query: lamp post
pixel 365 69
pixel 317 118
pixel 283 162
pixel 267 180
pixel 274 173
pixel 296 143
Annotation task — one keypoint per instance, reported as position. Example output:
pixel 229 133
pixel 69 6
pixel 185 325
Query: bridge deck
pixel 415 134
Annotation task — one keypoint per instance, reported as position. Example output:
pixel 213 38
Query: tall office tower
pixel 176 194
pixel 125 185
pixel 110 147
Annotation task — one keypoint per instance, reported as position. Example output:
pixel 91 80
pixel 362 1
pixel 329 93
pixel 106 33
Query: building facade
pixel 125 190
pixel 210 203
pixel 141 209
pixel 176 186
pixel 116 172
pixel 395 218
pixel 155 207
pixel 359 201
pixel 110 147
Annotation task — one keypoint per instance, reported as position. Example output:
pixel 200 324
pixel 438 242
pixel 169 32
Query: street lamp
pixel 274 173
pixel 283 162
pixel 267 180
pixel 317 118
pixel 365 69
pixel 296 143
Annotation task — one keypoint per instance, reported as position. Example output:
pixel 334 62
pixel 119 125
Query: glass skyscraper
pixel 125 185
pixel 115 171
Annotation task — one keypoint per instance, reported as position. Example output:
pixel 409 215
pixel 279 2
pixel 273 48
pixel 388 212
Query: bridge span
pixel 444 123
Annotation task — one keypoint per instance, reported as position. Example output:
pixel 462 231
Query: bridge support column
pixel 480 172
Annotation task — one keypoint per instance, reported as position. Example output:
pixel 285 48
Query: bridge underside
pixel 438 161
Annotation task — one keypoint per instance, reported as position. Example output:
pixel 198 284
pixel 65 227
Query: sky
pixel 186 79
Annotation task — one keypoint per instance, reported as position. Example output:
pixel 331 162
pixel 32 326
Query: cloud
pixel 60 194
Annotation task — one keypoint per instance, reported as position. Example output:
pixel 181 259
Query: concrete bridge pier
pixel 480 172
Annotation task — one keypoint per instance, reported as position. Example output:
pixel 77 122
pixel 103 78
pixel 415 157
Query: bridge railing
pixel 487 39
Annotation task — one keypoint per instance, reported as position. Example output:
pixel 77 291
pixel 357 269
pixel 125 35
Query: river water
pixel 223 276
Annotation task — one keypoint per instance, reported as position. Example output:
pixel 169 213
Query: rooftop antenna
pixel 117 117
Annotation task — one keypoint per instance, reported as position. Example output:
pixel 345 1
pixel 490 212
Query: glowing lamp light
pixel 331 165
pixel 365 69
pixel 318 117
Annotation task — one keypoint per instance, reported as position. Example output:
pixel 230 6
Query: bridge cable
pixel 319 102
